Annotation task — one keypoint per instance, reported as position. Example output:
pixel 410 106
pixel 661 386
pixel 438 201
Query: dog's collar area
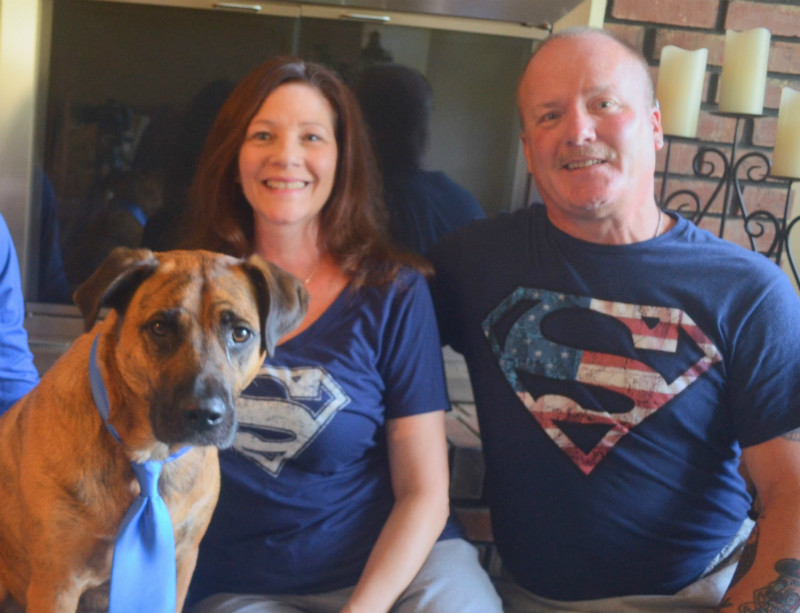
pixel 99 392
pixel 100 395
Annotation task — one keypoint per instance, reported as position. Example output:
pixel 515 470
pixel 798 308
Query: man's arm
pixel 768 576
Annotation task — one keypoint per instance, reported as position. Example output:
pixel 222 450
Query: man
pixel 17 372
pixel 622 360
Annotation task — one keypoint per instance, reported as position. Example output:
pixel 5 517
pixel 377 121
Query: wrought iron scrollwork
pixel 787 241
pixel 689 209
pixel 704 167
pixel 752 168
pixel 755 225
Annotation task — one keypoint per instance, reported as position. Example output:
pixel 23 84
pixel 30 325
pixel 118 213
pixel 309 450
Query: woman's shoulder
pixel 407 286
pixel 406 278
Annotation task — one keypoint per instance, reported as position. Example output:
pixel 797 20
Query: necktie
pixel 143 571
pixel 143 574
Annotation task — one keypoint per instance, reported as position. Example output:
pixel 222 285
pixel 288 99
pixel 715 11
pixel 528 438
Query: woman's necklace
pixel 307 280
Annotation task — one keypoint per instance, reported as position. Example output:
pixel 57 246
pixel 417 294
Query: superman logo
pixel 591 370
pixel 283 411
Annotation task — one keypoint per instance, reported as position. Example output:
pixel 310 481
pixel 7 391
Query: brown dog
pixel 187 331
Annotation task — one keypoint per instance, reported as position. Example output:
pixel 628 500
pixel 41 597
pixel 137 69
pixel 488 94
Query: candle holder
pixel 757 224
pixel 786 235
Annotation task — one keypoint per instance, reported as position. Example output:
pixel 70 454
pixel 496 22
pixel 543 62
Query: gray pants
pixel 702 596
pixel 451 581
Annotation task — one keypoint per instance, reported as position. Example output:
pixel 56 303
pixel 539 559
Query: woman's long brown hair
pixel 352 221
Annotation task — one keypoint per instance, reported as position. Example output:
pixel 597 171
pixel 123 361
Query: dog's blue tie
pixel 143 571
pixel 143 574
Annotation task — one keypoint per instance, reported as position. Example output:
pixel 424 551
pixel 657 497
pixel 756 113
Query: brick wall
pixel 692 24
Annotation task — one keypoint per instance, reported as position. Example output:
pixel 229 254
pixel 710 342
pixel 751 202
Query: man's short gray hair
pixel 583 31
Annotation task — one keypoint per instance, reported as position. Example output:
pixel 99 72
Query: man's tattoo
pixel 781 595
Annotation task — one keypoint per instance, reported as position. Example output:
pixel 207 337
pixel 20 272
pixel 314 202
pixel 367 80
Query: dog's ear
pixel 114 282
pixel 282 300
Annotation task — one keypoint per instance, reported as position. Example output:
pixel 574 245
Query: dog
pixel 185 333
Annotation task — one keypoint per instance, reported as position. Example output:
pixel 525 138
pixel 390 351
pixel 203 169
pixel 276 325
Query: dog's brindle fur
pixel 186 332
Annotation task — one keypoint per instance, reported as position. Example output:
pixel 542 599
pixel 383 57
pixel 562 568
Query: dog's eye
pixel 240 334
pixel 159 327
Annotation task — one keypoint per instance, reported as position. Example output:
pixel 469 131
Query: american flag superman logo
pixel 591 370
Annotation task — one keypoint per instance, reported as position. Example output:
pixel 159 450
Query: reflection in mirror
pixel 132 90
pixel 423 204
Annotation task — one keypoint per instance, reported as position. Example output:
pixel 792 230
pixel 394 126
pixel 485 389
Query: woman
pixel 334 496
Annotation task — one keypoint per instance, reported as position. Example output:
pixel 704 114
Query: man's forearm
pixel 765 581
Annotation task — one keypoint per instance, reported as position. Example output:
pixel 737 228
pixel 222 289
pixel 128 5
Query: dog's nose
pixel 206 415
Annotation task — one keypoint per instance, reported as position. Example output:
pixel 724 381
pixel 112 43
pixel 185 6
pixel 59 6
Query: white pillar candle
pixel 680 89
pixel 743 80
pixel 786 156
